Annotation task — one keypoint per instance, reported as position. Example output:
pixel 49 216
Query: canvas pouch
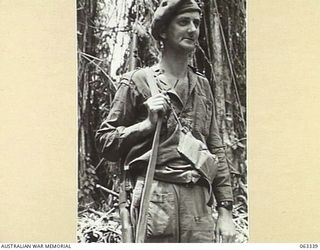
pixel 198 154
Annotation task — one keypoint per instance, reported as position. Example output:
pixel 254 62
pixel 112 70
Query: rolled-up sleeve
pixel 120 130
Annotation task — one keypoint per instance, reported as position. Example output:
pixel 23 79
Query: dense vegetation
pixel 114 37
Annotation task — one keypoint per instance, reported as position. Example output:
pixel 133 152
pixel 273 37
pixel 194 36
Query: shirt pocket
pixel 203 113
pixel 161 215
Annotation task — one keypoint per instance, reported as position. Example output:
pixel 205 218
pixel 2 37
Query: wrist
pixel 224 213
pixel 225 204
pixel 224 208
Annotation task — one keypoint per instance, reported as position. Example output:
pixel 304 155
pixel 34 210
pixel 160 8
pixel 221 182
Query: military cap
pixel 167 10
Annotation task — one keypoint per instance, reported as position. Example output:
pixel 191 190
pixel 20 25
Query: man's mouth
pixel 190 39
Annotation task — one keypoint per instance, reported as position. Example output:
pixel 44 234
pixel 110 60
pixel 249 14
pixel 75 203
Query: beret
pixel 167 10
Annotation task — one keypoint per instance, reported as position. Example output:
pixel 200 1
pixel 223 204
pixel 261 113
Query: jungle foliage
pixel 113 29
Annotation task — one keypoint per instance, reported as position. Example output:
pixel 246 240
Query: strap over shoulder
pixel 151 81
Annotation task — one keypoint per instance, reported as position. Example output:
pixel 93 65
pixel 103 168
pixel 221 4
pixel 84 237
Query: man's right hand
pixel 157 104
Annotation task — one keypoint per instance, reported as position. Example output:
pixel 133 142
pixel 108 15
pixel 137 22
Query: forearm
pixel 125 125
pixel 137 131
pixel 222 183
pixel 113 142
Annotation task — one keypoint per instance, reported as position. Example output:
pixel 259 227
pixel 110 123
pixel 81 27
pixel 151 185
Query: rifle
pixel 146 194
pixel 126 226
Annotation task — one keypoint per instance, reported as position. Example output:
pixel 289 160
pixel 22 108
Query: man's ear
pixel 163 35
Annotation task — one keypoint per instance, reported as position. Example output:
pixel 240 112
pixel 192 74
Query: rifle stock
pixel 126 226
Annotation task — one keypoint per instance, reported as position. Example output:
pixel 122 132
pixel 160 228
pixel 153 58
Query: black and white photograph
pixel 162 128
pixel 159 121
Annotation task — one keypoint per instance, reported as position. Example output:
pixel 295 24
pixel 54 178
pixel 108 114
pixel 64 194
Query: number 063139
pixel 309 245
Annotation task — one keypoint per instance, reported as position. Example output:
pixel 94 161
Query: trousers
pixel 178 213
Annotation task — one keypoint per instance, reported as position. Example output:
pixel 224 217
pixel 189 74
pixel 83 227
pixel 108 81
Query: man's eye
pixel 183 22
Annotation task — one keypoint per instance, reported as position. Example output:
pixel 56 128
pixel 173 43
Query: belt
pixel 204 183
pixel 200 182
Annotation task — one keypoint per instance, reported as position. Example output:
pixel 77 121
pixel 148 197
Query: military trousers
pixel 178 213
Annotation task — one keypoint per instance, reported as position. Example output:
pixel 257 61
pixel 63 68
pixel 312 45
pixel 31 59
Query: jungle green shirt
pixel 118 138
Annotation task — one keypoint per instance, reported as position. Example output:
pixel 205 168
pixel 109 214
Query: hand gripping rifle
pixel 146 193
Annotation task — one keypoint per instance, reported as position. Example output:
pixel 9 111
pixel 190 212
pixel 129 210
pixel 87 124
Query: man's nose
pixel 192 27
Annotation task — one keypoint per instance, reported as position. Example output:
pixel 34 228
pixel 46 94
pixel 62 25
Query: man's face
pixel 183 32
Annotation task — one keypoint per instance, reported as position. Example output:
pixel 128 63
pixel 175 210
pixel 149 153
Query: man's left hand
pixel 225 230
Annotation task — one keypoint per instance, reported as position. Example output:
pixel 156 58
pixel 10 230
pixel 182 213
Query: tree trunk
pixel 86 45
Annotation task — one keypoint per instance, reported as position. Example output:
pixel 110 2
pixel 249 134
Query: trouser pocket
pixel 200 230
pixel 161 218
pixel 197 223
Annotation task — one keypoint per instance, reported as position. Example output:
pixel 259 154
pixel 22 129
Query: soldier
pixel 191 165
